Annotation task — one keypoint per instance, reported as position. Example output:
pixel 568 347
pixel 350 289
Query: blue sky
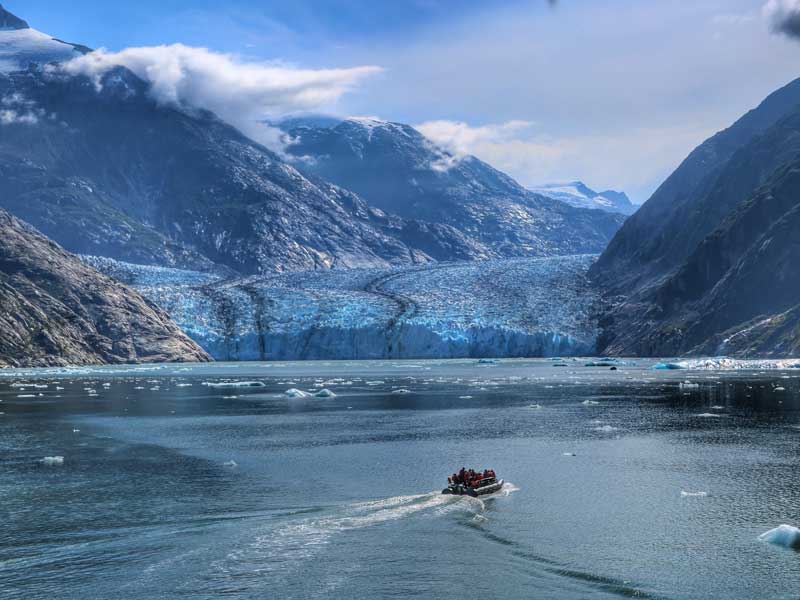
pixel 614 92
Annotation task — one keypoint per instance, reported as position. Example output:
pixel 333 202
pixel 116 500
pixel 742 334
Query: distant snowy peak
pixel 21 46
pixel 577 193
pixel 9 21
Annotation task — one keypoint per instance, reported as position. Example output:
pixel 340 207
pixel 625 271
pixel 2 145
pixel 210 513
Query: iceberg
pixel 295 393
pixel 787 536
pixel 233 384
pixel 325 393
pixel 52 461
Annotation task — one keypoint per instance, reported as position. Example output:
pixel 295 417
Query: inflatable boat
pixel 485 486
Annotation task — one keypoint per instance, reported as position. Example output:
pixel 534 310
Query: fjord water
pixel 620 483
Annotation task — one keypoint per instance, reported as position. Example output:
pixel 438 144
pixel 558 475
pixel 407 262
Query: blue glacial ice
pixel 783 535
pixel 532 307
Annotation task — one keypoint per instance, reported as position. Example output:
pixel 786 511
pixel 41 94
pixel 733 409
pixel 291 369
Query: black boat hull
pixel 460 490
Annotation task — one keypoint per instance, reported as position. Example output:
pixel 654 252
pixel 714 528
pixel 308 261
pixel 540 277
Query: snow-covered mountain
pixel 577 193
pixel 103 168
pixel 395 168
pixel 500 308
pixel 21 46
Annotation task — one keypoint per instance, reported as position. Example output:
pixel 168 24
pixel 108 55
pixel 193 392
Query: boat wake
pixel 278 551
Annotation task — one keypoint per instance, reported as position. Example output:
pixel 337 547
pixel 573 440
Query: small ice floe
pixel 717 407
pixel 52 461
pixel 231 464
pixel 780 389
pixel 688 385
pixel 708 416
pixel 295 393
pixel 76 431
pixel 569 454
pixel 183 385
pixel 325 393
pixel 375 383
pixel 465 397
pixel 590 403
pixel 139 387
pixel 26 395
pixel 233 384
pixel 230 397
pixel 535 406
pixel 488 361
pixel 667 367
pixel 605 429
pixel 685 494
pixel 401 391
pixel 787 536
pixel 59 389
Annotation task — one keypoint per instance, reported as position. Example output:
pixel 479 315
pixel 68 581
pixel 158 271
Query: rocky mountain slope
pixel 396 169
pixel 103 168
pixel 709 265
pixel 577 193
pixel 55 310
pixel 109 171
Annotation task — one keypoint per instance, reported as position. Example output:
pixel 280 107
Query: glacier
pixel 527 307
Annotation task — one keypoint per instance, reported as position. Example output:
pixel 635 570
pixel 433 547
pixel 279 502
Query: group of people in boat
pixel 471 478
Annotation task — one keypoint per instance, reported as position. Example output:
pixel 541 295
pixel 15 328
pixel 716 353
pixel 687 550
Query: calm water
pixel 340 497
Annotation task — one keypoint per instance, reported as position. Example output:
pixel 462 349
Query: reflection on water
pixel 625 483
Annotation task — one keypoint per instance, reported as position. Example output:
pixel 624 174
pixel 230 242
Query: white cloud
pixel 532 157
pixel 460 139
pixel 733 19
pixel 784 16
pixel 16 109
pixel 242 93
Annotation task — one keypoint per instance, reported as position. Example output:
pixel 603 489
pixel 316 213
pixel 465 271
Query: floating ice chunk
pixel 400 391
pixel 667 367
pixel 605 429
pixel 688 385
pixel 233 384
pixel 52 461
pixel 783 535
pixel 708 416
pixel 590 403
pixel 535 406
pixel 465 397
pixel 717 407
pixel 685 494
pixel 569 454
pixel 295 393
pixel 76 431
pixel 183 385
pixel 26 395
pixel 325 393
pixel 231 463
pixel 488 361
pixel 780 389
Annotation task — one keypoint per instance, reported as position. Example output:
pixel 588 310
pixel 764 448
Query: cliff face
pixel 711 265
pixel 54 310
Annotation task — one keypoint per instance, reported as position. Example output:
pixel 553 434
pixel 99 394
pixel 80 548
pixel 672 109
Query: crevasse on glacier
pixel 504 308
